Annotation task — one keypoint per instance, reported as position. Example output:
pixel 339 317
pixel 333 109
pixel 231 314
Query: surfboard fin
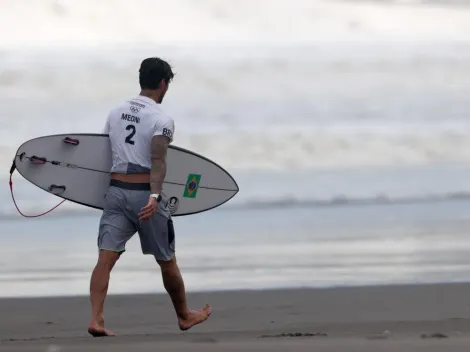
pixel 72 141
pixel 58 188
pixel 37 160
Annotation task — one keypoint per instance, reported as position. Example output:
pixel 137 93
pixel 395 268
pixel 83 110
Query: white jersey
pixel 131 126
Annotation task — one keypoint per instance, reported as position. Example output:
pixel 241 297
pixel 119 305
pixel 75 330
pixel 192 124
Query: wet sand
pixel 384 318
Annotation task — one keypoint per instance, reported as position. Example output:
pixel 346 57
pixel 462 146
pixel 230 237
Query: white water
pixel 293 109
pixel 87 22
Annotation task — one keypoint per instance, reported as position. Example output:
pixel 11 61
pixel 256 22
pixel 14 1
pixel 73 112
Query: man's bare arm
pixel 159 148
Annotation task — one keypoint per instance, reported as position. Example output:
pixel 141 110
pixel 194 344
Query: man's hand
pixel 149 210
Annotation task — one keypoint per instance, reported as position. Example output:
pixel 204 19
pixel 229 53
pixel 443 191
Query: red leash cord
pixel 14 202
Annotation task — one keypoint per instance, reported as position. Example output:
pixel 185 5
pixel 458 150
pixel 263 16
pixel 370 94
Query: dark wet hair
pixel 152 71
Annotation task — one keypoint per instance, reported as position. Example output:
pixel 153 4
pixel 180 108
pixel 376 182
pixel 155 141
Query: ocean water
pixel 345 123
pixel 261 248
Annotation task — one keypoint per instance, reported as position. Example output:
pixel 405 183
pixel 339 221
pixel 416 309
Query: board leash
pixel 12 170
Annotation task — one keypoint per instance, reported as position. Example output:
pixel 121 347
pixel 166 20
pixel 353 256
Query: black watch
pixel 158 197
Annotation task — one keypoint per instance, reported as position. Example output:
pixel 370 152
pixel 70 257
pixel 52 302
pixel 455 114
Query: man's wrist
pixel 157 196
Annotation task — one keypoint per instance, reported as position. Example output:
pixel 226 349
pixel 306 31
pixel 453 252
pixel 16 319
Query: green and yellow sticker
pixel 192 185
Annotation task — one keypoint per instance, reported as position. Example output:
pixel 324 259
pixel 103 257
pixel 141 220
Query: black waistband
pixel 130 186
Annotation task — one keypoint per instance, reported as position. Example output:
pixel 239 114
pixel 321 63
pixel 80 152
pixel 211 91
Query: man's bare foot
pixel 98 331
pixel 195 317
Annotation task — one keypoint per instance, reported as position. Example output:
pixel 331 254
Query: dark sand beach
pixel 384 318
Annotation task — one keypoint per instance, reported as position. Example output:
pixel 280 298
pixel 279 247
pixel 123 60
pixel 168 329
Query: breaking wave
pixel 70 209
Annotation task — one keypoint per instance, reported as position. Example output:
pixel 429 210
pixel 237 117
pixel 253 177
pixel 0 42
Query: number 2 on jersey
pixel 129 137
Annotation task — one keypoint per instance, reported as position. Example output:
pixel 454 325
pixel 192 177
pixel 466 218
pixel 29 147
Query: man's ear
pixel 162 85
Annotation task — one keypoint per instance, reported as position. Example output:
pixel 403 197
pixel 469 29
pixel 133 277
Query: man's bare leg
pixel 174 285
pixel 98 290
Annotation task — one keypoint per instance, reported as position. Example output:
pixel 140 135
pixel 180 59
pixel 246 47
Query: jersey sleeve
pixel 165 127
pixel 106 126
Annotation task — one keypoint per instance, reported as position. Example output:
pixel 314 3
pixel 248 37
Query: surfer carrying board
pixel 140 132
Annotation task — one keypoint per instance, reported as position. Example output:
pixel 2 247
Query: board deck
pixel 80 172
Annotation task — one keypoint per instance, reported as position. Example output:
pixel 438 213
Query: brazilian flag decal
pixel 192 184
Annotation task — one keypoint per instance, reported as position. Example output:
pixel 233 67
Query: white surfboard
pixel 76 167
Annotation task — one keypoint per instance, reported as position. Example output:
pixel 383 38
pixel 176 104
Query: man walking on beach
pixel 140 132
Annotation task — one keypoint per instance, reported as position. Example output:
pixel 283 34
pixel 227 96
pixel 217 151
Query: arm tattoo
pixel 157 174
